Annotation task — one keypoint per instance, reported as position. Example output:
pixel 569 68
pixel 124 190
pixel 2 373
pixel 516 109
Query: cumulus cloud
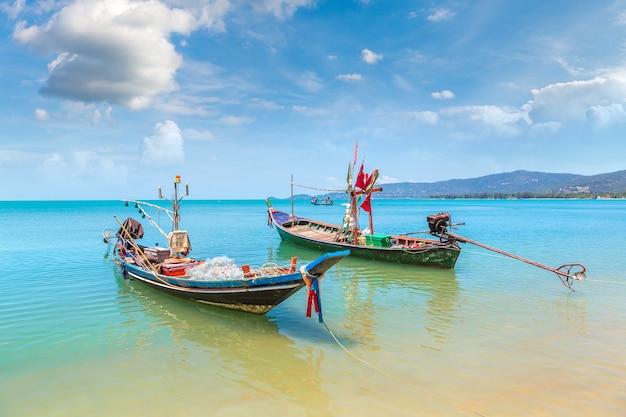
pixel 370 57
pixel 576 100
pixel 349 77
pixel 445 94
pixel 603 116
pixel 165 147
pixel 118 51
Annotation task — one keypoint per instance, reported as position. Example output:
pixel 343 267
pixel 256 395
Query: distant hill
pixel 516 183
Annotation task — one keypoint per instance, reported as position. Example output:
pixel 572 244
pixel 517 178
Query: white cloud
pixel 165 147
pixel 402 83
pixel 202 135
pixel 603 116
pixel 236 120
pixel 438 15
pixel 10 157
pixel 501 121
pixel 370 57
pixel 386 179
pixel 575 99
pixel 98 115
pixel 309 111
pixel 53 165
pixel 281 9
pixel 209 15
pixel 14 10
pixel 79 165
pixel 547 128
pixel 445 94
pixel 349 77
pixel 424 117
pixel 41 114
pixel 265 104
pixel 117 51
pixel 567 66
pixel 309 81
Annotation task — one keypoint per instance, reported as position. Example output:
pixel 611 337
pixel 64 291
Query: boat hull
pixel 434 254
pixel 256 299
pixel 256 295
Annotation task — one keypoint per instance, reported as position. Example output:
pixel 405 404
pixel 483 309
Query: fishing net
pixel 219 268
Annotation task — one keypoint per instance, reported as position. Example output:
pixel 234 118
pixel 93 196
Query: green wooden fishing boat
pixel 326 237
pixel 434 250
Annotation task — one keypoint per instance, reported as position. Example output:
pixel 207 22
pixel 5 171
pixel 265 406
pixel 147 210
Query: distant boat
pixel 324 202
pixel 216 281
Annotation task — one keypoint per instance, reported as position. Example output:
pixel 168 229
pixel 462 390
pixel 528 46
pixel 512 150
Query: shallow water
pixel 493 337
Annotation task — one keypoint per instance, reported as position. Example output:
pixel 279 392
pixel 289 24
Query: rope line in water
pixel 431 394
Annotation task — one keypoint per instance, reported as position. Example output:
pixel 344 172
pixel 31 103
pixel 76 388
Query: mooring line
pixel 431 394
pixel 354 356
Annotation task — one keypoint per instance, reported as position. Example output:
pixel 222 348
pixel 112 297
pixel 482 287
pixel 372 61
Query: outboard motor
pixel 438 223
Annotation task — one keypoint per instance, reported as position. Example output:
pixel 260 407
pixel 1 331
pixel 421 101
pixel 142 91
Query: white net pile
pixel 217 269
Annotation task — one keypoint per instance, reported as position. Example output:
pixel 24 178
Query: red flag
pixel 366 205
pixel 356 148
pixel 360 179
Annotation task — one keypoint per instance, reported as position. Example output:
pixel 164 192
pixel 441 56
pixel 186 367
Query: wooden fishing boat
pixel 439 249
pixel 216 281
pixel 364 242
pixel 326 237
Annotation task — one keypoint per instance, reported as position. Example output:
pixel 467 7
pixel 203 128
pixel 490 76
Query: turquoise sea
pixel 493 337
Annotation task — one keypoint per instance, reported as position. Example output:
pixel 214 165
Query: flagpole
pixel 292 212
pixel 355 230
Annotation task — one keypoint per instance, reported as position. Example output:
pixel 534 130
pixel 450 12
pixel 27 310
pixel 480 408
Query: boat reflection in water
pixel 221 353
pixel 370 293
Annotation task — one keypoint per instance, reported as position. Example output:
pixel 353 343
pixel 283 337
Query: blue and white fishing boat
pixel 216 281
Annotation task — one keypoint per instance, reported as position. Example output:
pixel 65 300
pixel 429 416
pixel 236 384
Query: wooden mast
pixel 175 202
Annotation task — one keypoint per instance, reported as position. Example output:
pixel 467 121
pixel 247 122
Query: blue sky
pixel 108 99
